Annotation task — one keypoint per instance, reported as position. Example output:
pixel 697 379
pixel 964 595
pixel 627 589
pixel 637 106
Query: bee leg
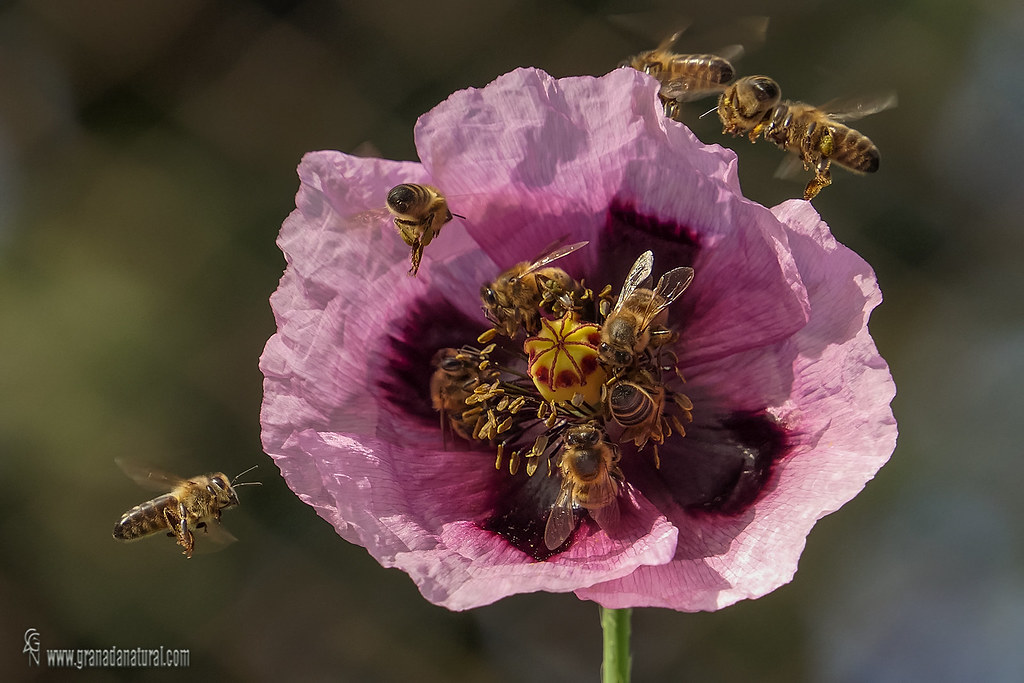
pixel 821 180
pixel 177 522
pixel 428 232
pixel 662 336
pixel 417 254
pixel 408 231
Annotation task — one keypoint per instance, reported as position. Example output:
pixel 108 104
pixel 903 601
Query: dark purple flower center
pixel 721 467
pixel 427 325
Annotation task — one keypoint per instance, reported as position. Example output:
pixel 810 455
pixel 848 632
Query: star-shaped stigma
pixel 564 360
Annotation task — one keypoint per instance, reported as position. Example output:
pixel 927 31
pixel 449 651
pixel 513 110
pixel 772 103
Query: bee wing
pixel 673 283
pixel 639 273
pixel 790 167
pixel 554 256
pixel 212 537
pixel 148 477
pixel 670 286
pixel 371 218
pixel 853 108
pixel 561 520
pixel 669 41
pixel 607 516
pixel 730 53
pixel 646 26
pixel 681 90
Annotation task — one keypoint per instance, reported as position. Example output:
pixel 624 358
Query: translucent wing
pixel 730 53
pixel 674 283
pixel 790 167
pixel 212 537
pixel 607 516
pixel 553 256
pixel 148 477
pixel 683 90
pixel 561 521
pixel 671 285
pixel 645 26
pixel 638 274
pixel 853 108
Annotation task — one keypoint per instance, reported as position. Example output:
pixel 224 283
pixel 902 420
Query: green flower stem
pixel 615 624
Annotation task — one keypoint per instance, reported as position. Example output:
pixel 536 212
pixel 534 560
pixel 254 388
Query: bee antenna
pixel 458 216
pixel 246 483
pixel 708 112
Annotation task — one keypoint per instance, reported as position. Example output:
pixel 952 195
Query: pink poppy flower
pixel 790 398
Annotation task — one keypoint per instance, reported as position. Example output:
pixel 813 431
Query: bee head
pixel 583 436
pixel 756 95
pixel 613 356
pixel 222 490
pixel 401 198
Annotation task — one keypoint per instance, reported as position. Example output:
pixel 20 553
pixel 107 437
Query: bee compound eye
pixel 451 364
pixel 585 435
pixel 765 89
pixel 488 296
pixel 399 198
pixel 623 357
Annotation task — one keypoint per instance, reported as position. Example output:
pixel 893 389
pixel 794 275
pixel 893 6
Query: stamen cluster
pixel 559 398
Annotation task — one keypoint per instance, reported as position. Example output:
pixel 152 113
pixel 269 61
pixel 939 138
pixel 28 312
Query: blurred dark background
pixel 147 156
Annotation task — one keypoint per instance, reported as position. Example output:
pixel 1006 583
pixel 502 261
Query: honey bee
pixel 684 77
pixel 639 314
pixel 192 504
pixel 420 211
pixel 638 409
pixel 590 479
pixel 752 105
pixel 514 300
pixel 451 384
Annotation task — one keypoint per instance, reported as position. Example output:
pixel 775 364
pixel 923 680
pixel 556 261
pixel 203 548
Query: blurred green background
pixel 147 156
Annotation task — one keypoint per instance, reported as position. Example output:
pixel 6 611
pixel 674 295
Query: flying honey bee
pixel 639 314
pixel 420 211
pixel 685 77
pixel 451 384
pixel 752 106
pixel 515 299
pixel 192 504
pixel 590 479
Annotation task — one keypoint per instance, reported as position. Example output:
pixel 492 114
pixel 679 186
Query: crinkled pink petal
pixel 412 514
